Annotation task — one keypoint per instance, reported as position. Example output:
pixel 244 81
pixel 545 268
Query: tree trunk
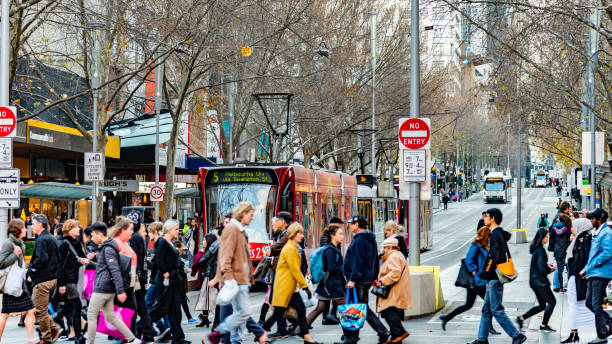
pixel 170 165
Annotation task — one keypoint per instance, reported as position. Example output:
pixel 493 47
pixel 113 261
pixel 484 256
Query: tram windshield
pixel 494 186
pixel 541 177
pixel 222 198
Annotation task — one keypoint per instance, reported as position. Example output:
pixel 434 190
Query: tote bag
pixel 464 277
pixel 105 327
pixel 505 271
pixel 352 315
pixel 14 280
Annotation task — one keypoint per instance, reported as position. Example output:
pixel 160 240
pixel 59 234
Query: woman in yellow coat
pixel 394 273
pixel 288 278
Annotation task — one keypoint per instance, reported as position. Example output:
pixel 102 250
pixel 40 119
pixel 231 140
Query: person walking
pixel 493 307
pixel 391 230
pixel 475 263
pixel 42 272
pixel 234 267
pixel 560 233
pixel 205 268
pixel 71 258
pixel 539 283
pixel 331 288
pixel 361 269
pixel 282 220
pixel 543 221
pixel 598 273
pixel 289 275
pixel 13 251
pixel 152 295
pixel 138 245
pixel 108 283
pixel 445 199
pixel 395 275
pixel 577 258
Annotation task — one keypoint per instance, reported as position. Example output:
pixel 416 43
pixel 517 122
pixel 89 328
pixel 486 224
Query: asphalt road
pixel 454 230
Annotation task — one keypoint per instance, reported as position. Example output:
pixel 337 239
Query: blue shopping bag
pixel 352 315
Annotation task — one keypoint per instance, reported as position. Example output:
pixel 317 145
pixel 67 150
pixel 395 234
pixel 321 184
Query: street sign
pixel 414 165
pixel 6 152
pixel 94 166
pixel 414 133
pixel 8 121
pixel 9 188
pixel 157 194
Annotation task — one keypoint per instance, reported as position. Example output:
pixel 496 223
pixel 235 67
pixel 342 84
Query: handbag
pixel 105 327
pixel 14 280
pixel 506 272
pixel 227 293
pixel 352 315
pixel 383 291
pixel 308 302
pixel 464 277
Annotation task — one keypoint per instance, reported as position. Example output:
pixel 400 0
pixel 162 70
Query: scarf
pixel 580 225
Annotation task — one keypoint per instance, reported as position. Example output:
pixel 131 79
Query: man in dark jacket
pixel 107 284
pixel 498 254
pixel 481 221
pixel 333 221
pixel 361 269
pixel 559 240
pixel 137 243
pixel 282 220
pixel 42 272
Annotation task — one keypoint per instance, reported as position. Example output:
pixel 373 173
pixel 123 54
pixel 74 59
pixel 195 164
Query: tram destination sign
pixel 241 176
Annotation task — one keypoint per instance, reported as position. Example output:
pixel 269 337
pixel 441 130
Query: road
pixel 454 230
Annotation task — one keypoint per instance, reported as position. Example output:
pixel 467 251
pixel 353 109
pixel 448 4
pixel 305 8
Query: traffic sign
pixel 414 133
pixel 6 152
pixel 8 121
pixel 157 194
pixel 9 188
pixel 94 166
pixel 414 165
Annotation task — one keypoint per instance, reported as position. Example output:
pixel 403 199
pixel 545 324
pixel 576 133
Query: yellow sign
pixel 246 51
pixel 587 189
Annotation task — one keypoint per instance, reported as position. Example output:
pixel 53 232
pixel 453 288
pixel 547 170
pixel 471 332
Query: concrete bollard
pixel 426 291
pixel 520 236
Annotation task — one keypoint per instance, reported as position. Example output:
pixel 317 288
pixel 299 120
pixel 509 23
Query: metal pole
pixel 159 85
pixel 4 94
pixel 518 177
pixel 373 52
pixel 95 82
pixel 414 200
pixel 592 67
pixel 230 104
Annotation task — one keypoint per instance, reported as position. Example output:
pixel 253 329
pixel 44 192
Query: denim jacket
pixel 475 260
pixel 600 257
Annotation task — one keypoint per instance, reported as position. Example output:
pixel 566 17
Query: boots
pixel 573 337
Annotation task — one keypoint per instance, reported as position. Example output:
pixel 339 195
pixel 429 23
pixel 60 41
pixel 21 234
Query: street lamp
pixel 273 104
pixel 362 133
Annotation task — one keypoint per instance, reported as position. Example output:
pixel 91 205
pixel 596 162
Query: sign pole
pixel 95 85
pixel 159 79
pixel 414 200
pixel 4 93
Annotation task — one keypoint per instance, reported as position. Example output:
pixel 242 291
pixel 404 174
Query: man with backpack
pixel 110 281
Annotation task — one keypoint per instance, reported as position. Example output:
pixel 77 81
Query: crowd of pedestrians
pixel 138 278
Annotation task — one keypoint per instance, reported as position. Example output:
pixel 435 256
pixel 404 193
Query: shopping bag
pixel 88 283
pixel 352 315
pixel 227 293
pixel 14 280
pixel 308 301
pixel 105 327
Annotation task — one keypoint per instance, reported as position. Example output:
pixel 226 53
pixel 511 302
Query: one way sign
pixel 9 188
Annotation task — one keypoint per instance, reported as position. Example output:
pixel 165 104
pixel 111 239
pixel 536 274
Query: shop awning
pixel 186 192
pixel 62 191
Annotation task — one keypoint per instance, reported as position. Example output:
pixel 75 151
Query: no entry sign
pixel 8 121
pixel 414 133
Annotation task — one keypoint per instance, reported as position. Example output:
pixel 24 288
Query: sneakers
pixel 519 339
pixel 520 323
pixel 191 321
pixel 599 341
pixel 478 341
pixel 546 329
pixel 164 337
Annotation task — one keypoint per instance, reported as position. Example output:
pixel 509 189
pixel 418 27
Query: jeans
pixel 251 325
pixel 469 301
pixel 558 275
pixel 546 303
pixel 596 291
pixel 104 302
pixel 150 297
pixel 393 316
pixel 493 308
pixel 362 296
pixel 41 293
pixel 235 324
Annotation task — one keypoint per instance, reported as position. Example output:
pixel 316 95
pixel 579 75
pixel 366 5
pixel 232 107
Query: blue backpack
pixel 317 273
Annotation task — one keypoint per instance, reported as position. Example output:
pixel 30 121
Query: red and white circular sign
pixel 157 193
pixel 414 133
pixel 8 121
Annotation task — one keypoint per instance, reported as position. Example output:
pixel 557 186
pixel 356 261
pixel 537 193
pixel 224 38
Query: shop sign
pixel 122 185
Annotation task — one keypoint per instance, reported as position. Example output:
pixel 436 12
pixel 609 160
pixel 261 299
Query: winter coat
pixel 288 275
pixel 401 243
pixel 137 243
pixel 332 286
pixel 361 260
pixel 167 259
pixel 559 240
pixel 543 222
pixel 234 259
pixel 8 256
pixel 395 272
pixel 68 266
pixel 580 258
pixel 205 263
pixel 498 247
pixel 108 274
pixel 600 256
pixel 279 241
pixel 539 269
pixel 43 265
pixel 475 261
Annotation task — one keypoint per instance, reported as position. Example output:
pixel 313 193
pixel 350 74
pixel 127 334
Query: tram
pixel 313 197
pixel 376 201
pixel 541 179
pixel 497 188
